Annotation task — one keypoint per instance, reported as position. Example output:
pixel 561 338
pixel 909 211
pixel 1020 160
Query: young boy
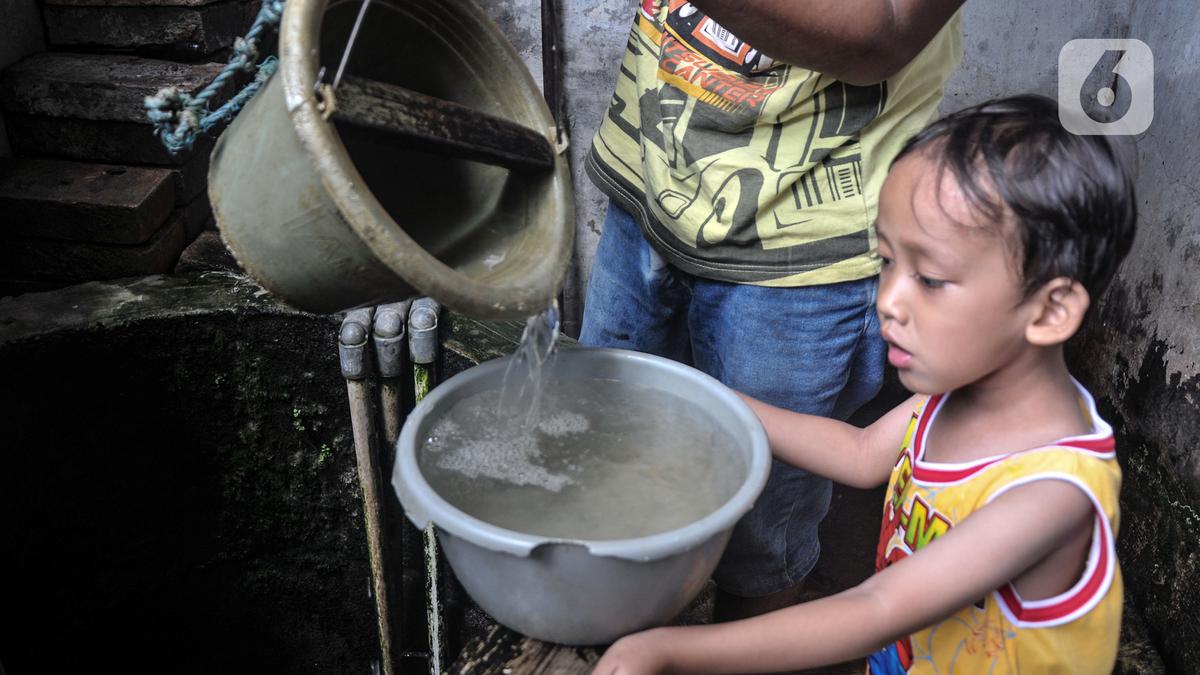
pixel 996 229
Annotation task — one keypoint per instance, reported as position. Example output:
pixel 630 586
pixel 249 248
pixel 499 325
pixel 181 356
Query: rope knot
pixel 272 10
pixel 245 53
pixel 178 116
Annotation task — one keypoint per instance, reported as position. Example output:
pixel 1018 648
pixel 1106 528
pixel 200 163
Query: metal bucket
pixel 328 219
pixel 581 592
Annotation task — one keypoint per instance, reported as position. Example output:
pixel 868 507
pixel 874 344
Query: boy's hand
pixel 636 654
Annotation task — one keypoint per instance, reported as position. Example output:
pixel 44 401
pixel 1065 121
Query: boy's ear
pixel 1058 310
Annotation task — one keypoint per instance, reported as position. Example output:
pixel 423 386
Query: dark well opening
pixel 179 495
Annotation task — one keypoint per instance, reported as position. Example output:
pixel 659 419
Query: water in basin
pixel 598 459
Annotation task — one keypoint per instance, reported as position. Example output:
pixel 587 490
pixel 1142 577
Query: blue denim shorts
pixel 813 349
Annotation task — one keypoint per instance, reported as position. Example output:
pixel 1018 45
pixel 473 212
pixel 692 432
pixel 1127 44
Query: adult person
pixel 743 154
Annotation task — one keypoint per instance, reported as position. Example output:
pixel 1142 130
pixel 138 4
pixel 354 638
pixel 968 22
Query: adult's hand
pixel 856 41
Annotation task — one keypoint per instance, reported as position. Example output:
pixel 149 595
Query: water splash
pixel 521 391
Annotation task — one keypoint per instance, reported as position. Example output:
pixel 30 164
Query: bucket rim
pixel 424 505
pixel 299 63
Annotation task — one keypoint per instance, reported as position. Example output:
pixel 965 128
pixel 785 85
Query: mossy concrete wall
pixel 1141 352
pixel 594 33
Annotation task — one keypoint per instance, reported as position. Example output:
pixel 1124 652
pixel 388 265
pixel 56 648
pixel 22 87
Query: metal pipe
pixel 353 357
pixel 552 67
pixel 423 350
pixel 391 355
pixel 395 400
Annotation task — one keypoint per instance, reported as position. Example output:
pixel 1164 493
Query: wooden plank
pixel 443 127
pixel 480 341
pixel 504 651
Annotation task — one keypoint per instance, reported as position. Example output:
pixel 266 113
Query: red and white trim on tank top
pixel 1100 444
pixel 1098 574
pixel 1093 584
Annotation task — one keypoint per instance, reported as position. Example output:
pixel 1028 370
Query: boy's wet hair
pixel 1071 196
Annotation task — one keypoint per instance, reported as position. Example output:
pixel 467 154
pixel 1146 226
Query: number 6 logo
pixel 1106 87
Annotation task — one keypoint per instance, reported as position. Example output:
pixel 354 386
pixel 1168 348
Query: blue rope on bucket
pixel 178 116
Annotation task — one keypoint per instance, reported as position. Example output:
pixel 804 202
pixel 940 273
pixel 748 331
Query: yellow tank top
pixel 1075 632
pixel 743 169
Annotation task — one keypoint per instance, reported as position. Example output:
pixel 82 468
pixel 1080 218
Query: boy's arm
pixel 857 41
pixel 861 458
pixel 991 547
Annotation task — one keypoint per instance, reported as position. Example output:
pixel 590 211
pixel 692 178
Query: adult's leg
pixel 634 299
pixel 866 368
pixel 795 348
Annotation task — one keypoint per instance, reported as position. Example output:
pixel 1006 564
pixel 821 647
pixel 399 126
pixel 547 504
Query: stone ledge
pixel 128 301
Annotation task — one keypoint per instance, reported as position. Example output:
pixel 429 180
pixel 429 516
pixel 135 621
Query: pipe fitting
pixel 423 330
pixel 352 343
pixel 390 338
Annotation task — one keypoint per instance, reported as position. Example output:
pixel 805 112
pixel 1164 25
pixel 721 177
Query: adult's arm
pixel 856 41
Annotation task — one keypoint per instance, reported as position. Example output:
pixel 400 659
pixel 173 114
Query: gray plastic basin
pixel 583 592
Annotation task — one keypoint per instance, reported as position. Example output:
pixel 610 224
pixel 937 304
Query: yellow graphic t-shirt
pixel 743 169
pixel 1074 632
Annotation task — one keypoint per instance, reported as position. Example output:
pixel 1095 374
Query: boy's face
pixel 950 301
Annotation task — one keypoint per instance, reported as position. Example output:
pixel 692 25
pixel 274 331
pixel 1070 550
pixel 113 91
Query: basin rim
pixel 423 505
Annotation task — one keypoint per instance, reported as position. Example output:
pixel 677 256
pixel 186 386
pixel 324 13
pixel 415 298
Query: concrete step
pixel 130 3
pixel 191 180
pixel 111 143
pixel 97 86
pixel 33 260
pixel 197 216
pixel 94 262
pixel 197 29
pixel 55 199
pixel 207 253
pixel 96 140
